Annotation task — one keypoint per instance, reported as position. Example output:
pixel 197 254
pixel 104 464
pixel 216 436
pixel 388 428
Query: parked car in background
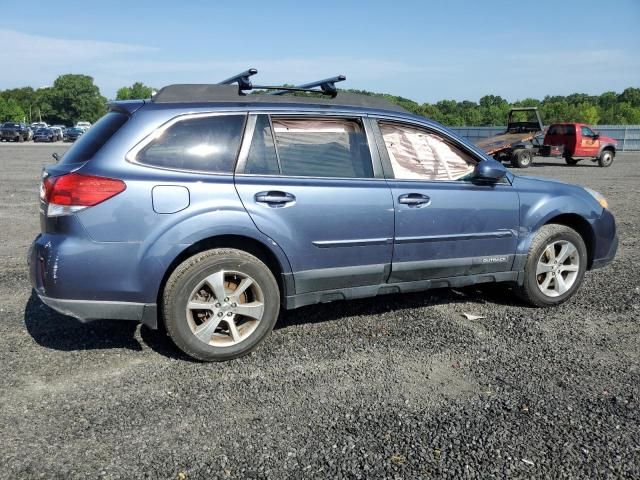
pixel 45 135
pixel 85 125
pixel 72 134
pixel 577 141
pixel 36 125
pixel 58 133
pixel 14 132
pixel 209 210
pixel 61 127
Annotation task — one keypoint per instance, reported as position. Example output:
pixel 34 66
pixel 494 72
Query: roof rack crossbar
pixel 242 79
pixel 327 86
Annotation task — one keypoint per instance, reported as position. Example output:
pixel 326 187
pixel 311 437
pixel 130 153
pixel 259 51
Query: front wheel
pixel 555 266
pixel 521 158
pixel 220 304
pixel 606 158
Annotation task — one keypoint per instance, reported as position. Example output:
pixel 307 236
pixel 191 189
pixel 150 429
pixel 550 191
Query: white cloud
pixel 436 74
pixel 36 60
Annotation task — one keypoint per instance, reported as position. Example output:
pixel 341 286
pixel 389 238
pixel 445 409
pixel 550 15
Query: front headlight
pixel 599 198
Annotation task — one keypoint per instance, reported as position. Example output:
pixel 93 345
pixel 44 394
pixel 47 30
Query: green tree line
pixel 75 97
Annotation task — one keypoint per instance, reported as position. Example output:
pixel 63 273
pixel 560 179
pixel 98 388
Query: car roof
pixel 229 95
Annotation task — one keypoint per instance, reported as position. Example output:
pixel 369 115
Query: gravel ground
pixel 397 387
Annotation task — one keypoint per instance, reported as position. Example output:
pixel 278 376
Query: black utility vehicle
pixel 14 132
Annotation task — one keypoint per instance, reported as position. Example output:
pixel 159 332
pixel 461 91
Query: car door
pixel 446 225
pixel 589 143
pixel 313 185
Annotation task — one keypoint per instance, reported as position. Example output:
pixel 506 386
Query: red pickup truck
pixel 577 141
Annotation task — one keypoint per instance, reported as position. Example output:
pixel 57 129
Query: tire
pixel 606 158
pixel 231 268
pixel 521 158
pixel 533 288
pixel 571 161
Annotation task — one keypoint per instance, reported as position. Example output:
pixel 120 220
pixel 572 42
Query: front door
pixel 589 143
pixel 445 224
pixel 313 185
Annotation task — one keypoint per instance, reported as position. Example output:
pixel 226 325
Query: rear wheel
pixel 555 266
pixel 521 158
pixel 220 304
pixel 606 158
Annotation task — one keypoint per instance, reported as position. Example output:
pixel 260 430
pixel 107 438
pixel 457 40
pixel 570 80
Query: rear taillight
pixel 69 193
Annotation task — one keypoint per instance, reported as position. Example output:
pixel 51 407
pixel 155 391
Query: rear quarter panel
pixel 154 240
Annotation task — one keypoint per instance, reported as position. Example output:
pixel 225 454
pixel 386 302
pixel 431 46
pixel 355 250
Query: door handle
pixel 414 199
pixel 275 198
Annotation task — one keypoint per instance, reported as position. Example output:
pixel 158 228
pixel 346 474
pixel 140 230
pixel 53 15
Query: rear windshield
pixel 90 142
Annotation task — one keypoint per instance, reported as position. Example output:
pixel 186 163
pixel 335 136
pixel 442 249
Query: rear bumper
pixel 87 310
pixel 82 295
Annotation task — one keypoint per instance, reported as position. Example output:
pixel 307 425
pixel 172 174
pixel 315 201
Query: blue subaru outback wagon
pixel 209 210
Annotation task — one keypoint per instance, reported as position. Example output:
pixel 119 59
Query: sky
pixel 423 50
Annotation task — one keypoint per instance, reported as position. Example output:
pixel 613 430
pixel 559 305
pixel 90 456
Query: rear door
pixel 446 225
pixel 313 184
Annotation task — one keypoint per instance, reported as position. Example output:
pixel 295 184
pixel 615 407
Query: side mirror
pixel 56 157
pixel 489 171
pixel 596 136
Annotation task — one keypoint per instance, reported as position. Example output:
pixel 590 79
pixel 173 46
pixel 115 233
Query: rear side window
pixel 418 154
pixel 93 140
pixel 322 147
pixel 207 144
pixel 568 130
pixel 262 158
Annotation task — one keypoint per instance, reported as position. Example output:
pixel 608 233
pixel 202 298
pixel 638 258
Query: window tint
pixel 568 130
pixel 417 154
pixel 88 144
pixel 208 144
pixel 262 159
pixel 587 132
pixel 322 147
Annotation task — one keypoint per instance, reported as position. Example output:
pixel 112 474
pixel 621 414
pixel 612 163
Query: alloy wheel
pixel 225 308
pixel 557 268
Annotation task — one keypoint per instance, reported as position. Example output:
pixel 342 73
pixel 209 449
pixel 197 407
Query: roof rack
pixel 242 79
pixel 327 86
pixel 225 92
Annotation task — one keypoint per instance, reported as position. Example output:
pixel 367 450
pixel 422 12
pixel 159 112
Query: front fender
pixel 611 146
pixel 541 201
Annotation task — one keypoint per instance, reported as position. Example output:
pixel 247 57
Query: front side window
pixel 416 154
pixel 587 132
pixel 322 147
pixel 208 144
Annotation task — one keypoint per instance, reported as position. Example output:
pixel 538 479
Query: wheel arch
pixel 278 266
pixel 607 146
pixel 580 225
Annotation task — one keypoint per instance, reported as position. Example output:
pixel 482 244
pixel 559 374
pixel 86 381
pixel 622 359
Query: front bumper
pixel 606 260
pixel 606 240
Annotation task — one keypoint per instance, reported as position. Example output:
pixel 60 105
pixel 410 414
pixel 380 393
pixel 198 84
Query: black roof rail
pixel 327 86
pixel 242 79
